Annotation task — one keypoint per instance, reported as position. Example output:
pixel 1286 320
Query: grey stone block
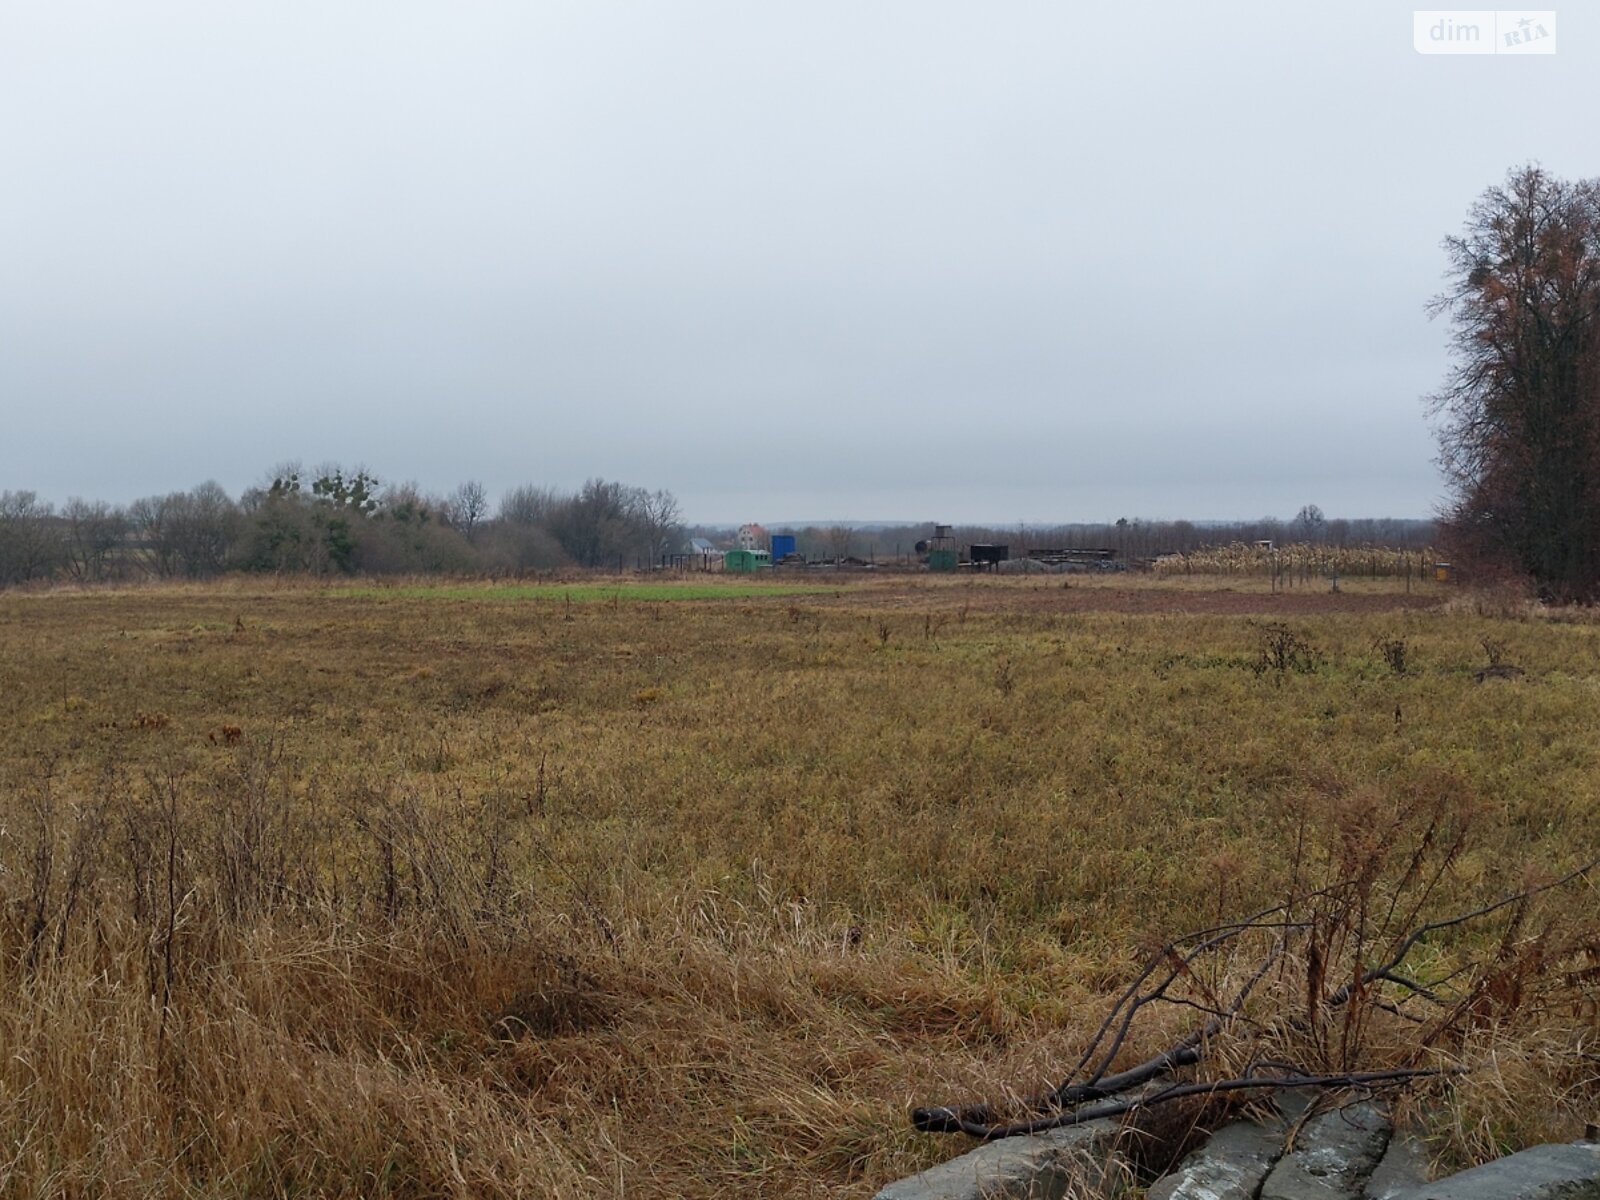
pixel 1404 1166
pixel 1561 1172
pixel 1332 1158
pixel 1043 1166
pixel 1230 1166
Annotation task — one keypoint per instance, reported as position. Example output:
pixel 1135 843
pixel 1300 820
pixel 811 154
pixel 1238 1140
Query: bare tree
pixel 202 525
pixel 530 505
pixel 595 526
pixel 150 518
pixel 840 538
pixel 466 508
pixel 1309 523
pixel 29 545
pixel 94 533
pixel 405 504
pixel 660 521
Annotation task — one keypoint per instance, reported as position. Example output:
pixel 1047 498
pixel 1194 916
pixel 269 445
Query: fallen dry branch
pixel 1349 1080
pixel 1314 930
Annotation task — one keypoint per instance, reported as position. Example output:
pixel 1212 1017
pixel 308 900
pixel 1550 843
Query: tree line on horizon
pixel 334 520
pixel 346 521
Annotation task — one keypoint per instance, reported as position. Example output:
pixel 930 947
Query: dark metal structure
pixel 985 554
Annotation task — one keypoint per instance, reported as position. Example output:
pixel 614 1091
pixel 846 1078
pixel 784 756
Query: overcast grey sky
pixel 792 260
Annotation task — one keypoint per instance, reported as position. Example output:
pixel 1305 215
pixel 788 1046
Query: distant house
pixel 752 537
pixel 702 554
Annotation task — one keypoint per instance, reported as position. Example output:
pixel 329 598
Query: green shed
pixel 942 559
pixel 743 561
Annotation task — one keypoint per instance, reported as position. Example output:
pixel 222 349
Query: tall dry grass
pixel 686 898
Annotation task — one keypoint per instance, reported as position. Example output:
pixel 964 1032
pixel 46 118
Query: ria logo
pixel 1526 33
pixel 1483 31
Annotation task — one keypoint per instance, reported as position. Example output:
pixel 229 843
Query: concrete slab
pixel 1043 1166
pixel 1558 1172
pixel 1333 1156
pixel 1231 1165
pixel 1404 1166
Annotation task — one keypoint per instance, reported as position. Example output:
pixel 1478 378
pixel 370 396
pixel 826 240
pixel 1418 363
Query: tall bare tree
pixel 466 508
pixel 659 519
pixel 1519 415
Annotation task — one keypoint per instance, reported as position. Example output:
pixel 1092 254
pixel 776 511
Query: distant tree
pixel 466 508
pixel 30 544
pixel 530 505
pixel 202 526
pixel 284 533
pixel 152 539
pixel 659 519
pixel 839 538
pixel 509 546
pixel 520 537
pixel 1519 414
pixel 404 504
pixel 95 533
pixel 315 528
pixel 343 499
pixel 594 526
pixel 354 492
pixel 1309 523
pixel 409 533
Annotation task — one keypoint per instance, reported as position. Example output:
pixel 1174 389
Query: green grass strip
pixel 586 593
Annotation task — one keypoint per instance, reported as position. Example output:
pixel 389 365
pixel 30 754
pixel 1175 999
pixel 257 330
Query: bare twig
pixel 1410 941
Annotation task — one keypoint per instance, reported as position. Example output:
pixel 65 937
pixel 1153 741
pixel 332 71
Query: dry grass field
pixel 624 890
